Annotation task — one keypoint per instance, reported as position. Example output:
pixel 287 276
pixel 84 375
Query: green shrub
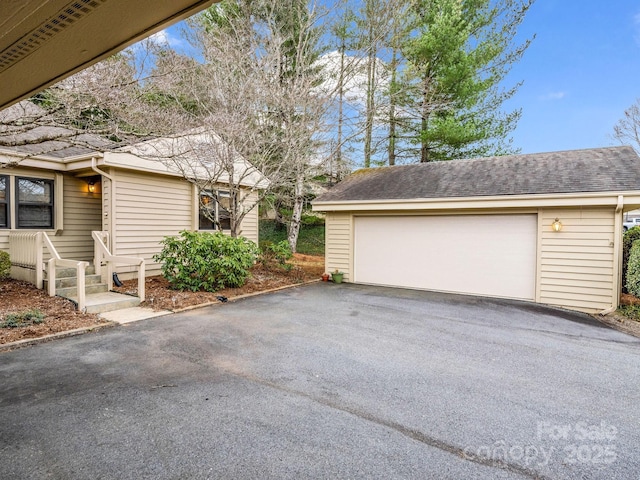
pixel 633 271
pixel 311 220
pixel 275 254
pixel 310 240
pixel 5 265
pixel 22 319
pixel 280 252
pixel 207 261
pixel 629 237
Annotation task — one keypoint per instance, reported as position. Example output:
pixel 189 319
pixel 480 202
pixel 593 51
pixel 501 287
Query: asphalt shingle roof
pixel 574 171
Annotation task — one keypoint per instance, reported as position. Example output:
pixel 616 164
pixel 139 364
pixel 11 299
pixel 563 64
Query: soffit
pixel 44 41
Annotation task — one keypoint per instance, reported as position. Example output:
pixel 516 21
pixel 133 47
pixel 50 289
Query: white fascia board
pixel 129 161
pixel 46 162
pixel 515 201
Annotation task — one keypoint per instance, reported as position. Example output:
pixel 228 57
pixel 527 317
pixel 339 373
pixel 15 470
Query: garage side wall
pixel 249 227
pixel 576 269
pixel 338 240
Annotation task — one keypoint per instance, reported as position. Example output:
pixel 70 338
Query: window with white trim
pixel 34 203
pixel 215 209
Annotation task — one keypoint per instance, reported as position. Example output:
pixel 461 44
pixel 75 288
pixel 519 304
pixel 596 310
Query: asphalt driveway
pixel 329 381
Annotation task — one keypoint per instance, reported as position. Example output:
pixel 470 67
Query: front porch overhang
pixel 42 42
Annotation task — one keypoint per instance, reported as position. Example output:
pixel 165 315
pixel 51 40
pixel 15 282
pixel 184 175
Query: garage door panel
pixel 485 254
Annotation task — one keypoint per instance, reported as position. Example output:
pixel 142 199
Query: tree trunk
pixel 370 108
pixel 338 164
pixel 392 108
pixel 235 219
pixel 296 216
pixel 424 125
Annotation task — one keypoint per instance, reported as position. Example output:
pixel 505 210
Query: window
pixel 34 205
pixel 215 206
pixel 4 201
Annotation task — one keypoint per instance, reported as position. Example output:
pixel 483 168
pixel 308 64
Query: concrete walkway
pixel 133 314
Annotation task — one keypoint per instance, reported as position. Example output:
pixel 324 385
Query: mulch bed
pixel 60 314
pixel 160 296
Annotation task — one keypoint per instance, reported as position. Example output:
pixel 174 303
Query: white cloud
pixel 164 37
pixel 355 80
pixel 552 96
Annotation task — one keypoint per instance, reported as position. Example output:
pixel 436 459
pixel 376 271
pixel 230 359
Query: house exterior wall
pixel 149 207
pixel 577 268
pixel 78 213
pixel 82 212
pixel 577 265
pixel 106 185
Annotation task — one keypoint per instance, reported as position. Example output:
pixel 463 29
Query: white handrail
pixel 102 253
pixel 57 261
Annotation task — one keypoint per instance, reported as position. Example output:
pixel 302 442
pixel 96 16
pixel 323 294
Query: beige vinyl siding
pixel 148 208
pixel 249 226
pixel 82 212
pixel 339 240
pixel 576 265
pixel 107 188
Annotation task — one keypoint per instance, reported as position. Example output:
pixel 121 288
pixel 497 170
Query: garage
pixel 437 253
pixel 542 227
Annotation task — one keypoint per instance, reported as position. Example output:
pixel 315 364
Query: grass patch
pixel 22 319
pixel 310 239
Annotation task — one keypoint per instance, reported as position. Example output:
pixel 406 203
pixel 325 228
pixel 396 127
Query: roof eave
pixel 631 198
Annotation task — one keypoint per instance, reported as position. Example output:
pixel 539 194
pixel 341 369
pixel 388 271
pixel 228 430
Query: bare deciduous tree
pixel 627 130
pixel 256 91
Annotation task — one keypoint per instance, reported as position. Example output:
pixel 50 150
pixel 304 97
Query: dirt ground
pixel 60 314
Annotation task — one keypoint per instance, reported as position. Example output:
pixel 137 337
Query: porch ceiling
pixel 44 41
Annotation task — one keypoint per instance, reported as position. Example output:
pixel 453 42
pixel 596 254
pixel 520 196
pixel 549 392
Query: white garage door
pixel 493 255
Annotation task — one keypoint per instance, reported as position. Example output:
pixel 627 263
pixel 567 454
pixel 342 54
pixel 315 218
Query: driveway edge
pixel 27 342
pixel 246 295
pixel 619 323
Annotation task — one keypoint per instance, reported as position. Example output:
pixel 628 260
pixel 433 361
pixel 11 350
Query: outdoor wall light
pixel 91 185
pixel 556 225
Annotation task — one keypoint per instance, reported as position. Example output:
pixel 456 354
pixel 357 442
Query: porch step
pixel 71 272
pixel 107 302
pixel 68 292
pixel 65 282
pixel 98 298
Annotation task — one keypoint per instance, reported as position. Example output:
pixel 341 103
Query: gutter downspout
pixel 112 205
pixel 617 258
